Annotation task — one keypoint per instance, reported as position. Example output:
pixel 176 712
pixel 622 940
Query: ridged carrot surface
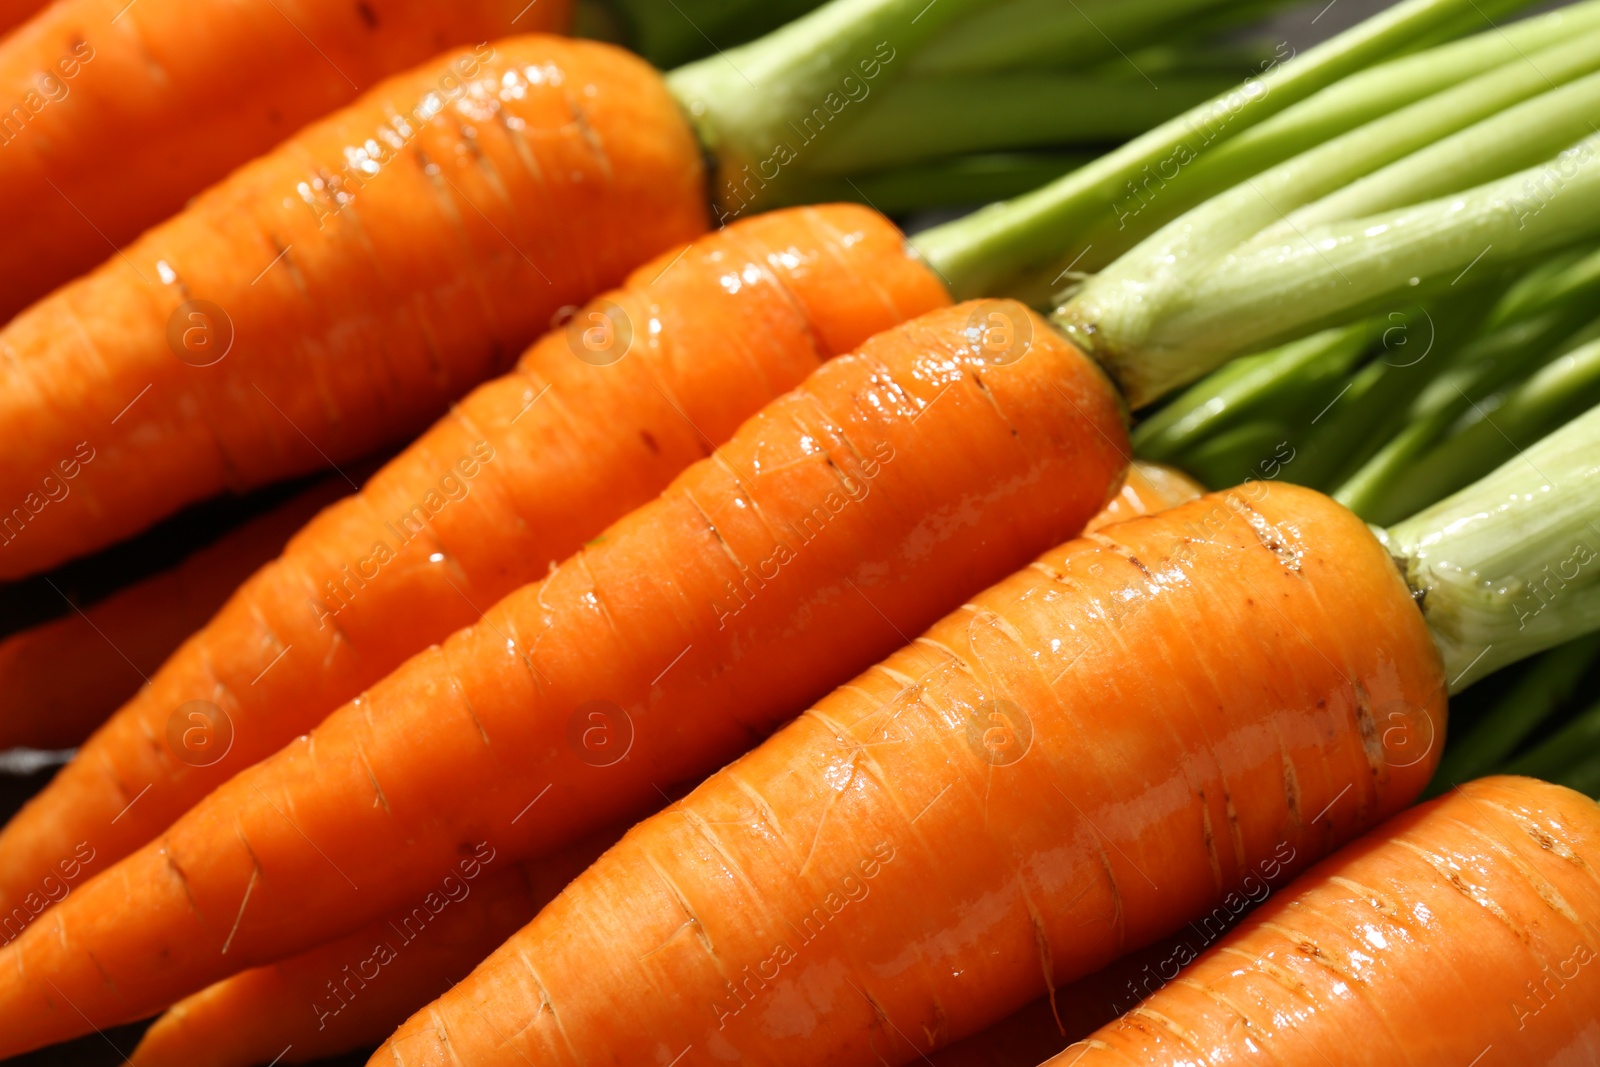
pixel 247 1019
pixel 1461 932
pixel 352 992
pixel 1148 488
pixel 115 113
pixel 849 512
pixel 1091 753
pixel 719 328
pixel 60 680
pixel 559 166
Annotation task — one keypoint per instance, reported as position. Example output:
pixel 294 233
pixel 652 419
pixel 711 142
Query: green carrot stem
pixel 762 109
pixel 1510 565
pixel 1253 449
pixel 1018 33
pixel 1566 277
pixel 1516 138
pixel 972 179
pixel 1279 379
pixel 1500 425
pixel 1134 313
pixel 922 118
pixel 1548 683
pixel 1007 243
pixel 1375 489
pixel 1335 272
pixel 670 34
pixel 1571 751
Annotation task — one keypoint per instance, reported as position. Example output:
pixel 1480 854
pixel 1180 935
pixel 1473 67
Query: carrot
pixel 248 1018
pixel 1148 488
pixel 330 331
pixel 61 679
pixel 1113 741
pixel 848 512
pixel 1461 931
pixel 116 113
pixel 352 992
pixel 516 478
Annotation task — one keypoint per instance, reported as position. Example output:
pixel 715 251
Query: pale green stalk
pixel 1130 313
pixel 1329 274
pixel 1010 243
pixel 1510 566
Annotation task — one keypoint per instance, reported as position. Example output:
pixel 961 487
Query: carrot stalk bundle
pixel 596 419
pixel 1294 672
pixel 1461 931
pixel 294 314
pixel 849 512
pixel 61 679
pixel 247 1019
pixel 116 113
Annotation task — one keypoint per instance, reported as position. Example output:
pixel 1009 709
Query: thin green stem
pixel 1496 427
pixel 1020 33
pixel 1548 683
pixel 670 34
pixel 974 179
pixel 1570 756
pixel 1377 490
pixel 1008 243
pixel 1269 383
pixel 1140 314
pixel 1332 273
pixel 764 108
pixel 1510 566
pixel 922 118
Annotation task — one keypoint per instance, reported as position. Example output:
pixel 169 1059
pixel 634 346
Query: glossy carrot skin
pixel 248 1018
pixel 130 109
pixel 60 680
pixel 722 327
pixel 1148 488
pixel 352 992
pixel 560 166
pixel 1463 931
pixel 849 512
pixel 899 867
pixel 15 12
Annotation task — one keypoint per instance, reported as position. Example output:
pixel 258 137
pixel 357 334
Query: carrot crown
pixel 1510 565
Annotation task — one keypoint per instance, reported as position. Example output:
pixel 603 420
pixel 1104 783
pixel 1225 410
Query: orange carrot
pixel 847 513
pixel 292 316
pixel 113 114
pixel 247 1019
pixel 1463 931
pixel 352 992
pixel 1149 487
pixel 1002 806
pixel 60 680
pixel 525 470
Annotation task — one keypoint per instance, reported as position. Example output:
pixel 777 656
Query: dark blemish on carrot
pixel 650 442
pixel 367 14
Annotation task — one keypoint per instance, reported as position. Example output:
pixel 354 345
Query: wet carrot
pixel 1002 806
pixel 1463 931
pixel 517 477
pixel 60 680
pixel 293 315
pixel 115 113
pixel 849 512
pixel 1148 488
pixel 354 991
pixel 247 1019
